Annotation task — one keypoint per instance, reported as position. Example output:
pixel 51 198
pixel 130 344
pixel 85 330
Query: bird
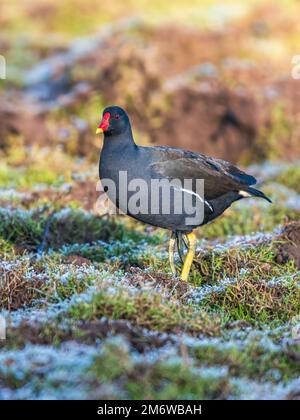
pixel 123 165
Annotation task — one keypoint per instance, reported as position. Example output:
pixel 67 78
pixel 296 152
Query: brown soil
pixel 139 277
pixel 213 120
pixel 78 260
pixel 87 332
pixel 18 118
pixel 83 192
pixel 288 244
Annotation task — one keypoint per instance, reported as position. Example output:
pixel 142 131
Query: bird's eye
pixel 117 117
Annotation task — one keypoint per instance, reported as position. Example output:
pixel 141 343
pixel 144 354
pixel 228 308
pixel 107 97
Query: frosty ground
pixel 97 314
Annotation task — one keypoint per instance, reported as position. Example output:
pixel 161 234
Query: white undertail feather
pixel 244 194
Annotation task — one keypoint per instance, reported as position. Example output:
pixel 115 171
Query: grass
pixel 252 359
pixel 256 261
pixel 176 381
pixel 69 226
pixel 23 166
pixel 290 178
pixel 133 312
pixel 244 219
pixel 280 128
pixel 122 254
pixel 145 309
pixel 28 177
pixel 254 300
pixel 160 379
pixel 261 291
pixel 19 287
pixel 74 18
pixel 26 281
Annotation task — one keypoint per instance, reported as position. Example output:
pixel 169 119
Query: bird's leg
pixel 184 240
pixel 172 244
pixel 191 237
pixel 179 239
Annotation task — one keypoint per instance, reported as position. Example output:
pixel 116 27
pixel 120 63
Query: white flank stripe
pixel 197 195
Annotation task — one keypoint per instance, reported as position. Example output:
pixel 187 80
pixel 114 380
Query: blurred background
pixel 214 77
pixel 206 75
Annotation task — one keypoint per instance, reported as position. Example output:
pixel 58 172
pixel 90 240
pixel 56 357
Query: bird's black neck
pixel 119 141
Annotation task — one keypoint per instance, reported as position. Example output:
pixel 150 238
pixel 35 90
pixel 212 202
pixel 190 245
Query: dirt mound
pixel 288 244
pixel 181 86
pixel 214 120
pixel 17 117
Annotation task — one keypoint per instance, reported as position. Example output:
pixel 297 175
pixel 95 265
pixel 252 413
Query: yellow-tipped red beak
pixel 99 130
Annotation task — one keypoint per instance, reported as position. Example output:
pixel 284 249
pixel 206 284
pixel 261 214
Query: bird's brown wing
pixel 220 177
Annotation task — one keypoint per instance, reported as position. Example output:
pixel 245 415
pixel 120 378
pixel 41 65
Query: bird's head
pixel 114 121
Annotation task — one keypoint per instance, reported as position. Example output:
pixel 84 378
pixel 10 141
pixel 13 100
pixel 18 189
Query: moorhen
pixel 123 165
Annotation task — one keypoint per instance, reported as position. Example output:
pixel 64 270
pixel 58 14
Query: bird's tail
pixel 257 193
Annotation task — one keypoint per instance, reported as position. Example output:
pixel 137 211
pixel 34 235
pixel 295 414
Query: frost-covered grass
pixel 93 312
pixel 252 215
pixel 146 309
pixel 112 368
pixel 46 228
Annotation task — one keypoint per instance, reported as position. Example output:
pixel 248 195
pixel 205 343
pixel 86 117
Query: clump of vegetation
pixel 236 262
pixel 69 226
pixel 255 300
pixel 25 280
pixel 287 244
pixel 175 379
pixel 169 378
pixel 147 309
pixel 19 287
pixel 121 253
pixel 257 357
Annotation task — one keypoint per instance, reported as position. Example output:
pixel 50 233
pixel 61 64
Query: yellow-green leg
pixel 191 237
pixel 172 245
